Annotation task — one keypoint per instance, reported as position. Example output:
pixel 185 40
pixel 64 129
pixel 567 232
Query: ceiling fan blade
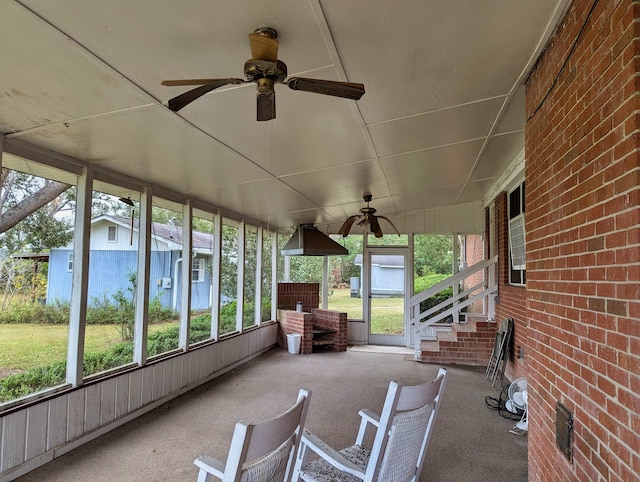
pixel 266 100
pixel 346 226
pixel 182 100
pixel 392 225
pixel 347 90
pixel 178 82
pixel 266 106
pixel 375 227
pixel 263 47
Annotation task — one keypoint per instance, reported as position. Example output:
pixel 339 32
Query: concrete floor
pixel 470 442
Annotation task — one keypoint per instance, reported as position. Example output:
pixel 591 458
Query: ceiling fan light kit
pixel 265 70
pixel 369 220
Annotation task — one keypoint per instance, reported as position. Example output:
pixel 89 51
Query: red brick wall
pixel 583 252
pixel 474 253
pixel 333 320
pixel 293 322
pixel 290 293
pixel 512 300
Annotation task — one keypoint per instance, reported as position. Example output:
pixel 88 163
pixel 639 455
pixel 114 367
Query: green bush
pixel 35 312
pixel 102 311
pixel 426 282
pixel 40 378
pixel 31 381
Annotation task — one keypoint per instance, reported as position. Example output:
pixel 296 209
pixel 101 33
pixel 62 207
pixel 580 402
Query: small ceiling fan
pixel 368 215
pixel 265 70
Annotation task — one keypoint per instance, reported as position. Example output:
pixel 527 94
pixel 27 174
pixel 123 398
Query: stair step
pixel 431 346
pixel 467 344
pixel 447 336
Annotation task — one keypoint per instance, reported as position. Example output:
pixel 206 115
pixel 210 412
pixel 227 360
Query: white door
pixel 385 289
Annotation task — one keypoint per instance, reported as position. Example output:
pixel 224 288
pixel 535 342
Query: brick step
pixel 468 344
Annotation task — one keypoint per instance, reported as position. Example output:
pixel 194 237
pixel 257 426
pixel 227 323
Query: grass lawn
pixel 387 313
pixel 24 346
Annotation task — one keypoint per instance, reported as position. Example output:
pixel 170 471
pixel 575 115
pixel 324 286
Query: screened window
pixel 517 239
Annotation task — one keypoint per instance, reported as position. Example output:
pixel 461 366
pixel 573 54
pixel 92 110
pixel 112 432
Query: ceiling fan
pixel 265 70
pixel 368 215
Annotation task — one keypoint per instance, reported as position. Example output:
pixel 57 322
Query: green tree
pixel 29 208
pixel 433 254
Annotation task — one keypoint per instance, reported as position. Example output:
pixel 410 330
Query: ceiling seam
pixel 442 109
pixel 321 20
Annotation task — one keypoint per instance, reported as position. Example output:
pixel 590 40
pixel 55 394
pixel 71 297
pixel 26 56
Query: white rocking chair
pixel 402 435
pixel 264 452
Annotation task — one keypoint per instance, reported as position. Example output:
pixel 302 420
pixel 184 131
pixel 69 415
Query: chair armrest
pixel 368 417
pixel 331 455
pixel 210 465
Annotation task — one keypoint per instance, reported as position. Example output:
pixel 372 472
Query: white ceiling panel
pixel 426 55
pixel 268 201
pixel 436 196
pixel 45 78
pixel 499 153
pixel 338 185
pixel 152 144
pixel 415 172
pixel 439 128
pixel 514 116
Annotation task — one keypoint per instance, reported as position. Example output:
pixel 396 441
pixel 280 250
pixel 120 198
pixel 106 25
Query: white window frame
pixel 517 235
pixel 115 233
pixel 70 262
pixel 197 266
pixel 517 243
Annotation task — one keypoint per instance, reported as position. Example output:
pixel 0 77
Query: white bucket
pixel 293 343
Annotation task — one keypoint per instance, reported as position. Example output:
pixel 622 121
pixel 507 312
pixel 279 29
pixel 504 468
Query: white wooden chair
pixel 263 452
pixel 403 430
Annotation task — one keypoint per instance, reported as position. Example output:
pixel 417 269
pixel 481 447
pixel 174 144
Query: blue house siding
pixel 200 290
pixel 387 275
pixel 109 271
pixel 387 281
pixel 59 279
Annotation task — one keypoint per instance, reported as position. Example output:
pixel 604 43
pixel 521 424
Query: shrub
pixel 33 380
pixel 34 312
pixel 426 282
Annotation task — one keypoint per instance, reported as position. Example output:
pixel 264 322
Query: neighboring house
pixel 113 258
pixel 387 274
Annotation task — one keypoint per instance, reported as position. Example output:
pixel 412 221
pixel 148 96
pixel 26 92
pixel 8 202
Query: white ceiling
pixel 442 117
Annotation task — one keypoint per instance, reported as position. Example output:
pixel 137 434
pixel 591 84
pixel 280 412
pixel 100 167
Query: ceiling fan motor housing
pixel 260 69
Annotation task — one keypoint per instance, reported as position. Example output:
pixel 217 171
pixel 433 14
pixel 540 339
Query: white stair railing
pixel 425 324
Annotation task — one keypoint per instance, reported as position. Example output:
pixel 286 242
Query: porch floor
pixel 470 442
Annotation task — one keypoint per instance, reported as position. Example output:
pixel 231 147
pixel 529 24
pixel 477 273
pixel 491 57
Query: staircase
pixel 468 344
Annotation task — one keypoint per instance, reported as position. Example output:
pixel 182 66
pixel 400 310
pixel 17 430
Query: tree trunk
pixel 29 205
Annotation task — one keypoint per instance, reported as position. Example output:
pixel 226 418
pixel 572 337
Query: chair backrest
pixel 265 452
pixel 406 425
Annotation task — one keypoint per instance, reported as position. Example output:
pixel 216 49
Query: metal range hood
pixel 307 240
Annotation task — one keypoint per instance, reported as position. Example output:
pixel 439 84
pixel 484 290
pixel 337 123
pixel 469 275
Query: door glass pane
pixel 387 294
pixel 345 278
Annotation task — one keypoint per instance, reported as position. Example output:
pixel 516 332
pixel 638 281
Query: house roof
pixel 387 261
pixel 166 232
